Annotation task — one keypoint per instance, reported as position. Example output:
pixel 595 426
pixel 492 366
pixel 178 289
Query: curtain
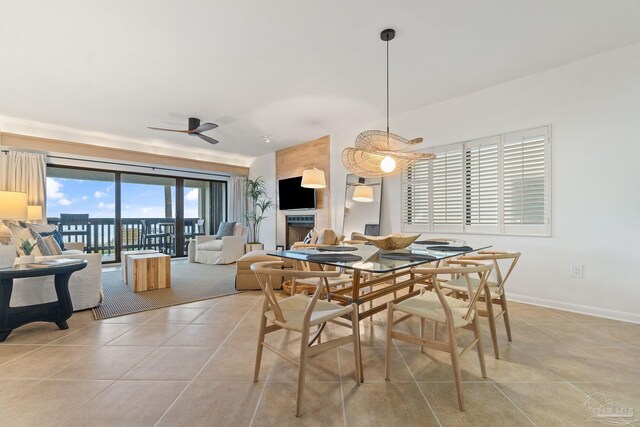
pixel 26 172
pixel 237 203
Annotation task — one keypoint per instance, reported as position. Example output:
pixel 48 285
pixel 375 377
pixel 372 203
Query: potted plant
pixel 27 247
pixel 258 203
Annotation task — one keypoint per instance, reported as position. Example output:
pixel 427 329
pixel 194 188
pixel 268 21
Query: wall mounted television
pixel 293 196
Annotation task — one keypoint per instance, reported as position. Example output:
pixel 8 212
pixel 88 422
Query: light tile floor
pixel 192 365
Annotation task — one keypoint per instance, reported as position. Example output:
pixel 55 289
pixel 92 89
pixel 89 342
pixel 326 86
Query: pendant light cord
pixel 387 93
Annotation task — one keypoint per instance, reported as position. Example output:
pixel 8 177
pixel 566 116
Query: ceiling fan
pixel 195 128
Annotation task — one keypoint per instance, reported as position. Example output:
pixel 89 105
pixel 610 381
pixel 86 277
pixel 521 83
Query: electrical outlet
pixel 576 270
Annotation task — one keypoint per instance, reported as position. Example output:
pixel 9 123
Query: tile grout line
pixel 344 410
pixel 415 381
pixel 125 373
pixel 205 364
pixel 513 403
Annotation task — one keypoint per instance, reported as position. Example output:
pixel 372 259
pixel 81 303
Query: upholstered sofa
pixel 227 250
pixel 85 286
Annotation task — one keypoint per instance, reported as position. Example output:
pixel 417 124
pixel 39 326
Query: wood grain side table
pixel 123 260
pixel 148 271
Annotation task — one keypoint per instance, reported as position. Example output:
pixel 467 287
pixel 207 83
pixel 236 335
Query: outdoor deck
pixel 100 234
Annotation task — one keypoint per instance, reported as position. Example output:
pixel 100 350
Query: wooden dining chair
pixel 435 306
pixel 494 289
pixel 300 313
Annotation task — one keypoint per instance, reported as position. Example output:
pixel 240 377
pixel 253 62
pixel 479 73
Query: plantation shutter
pixel 525 182
pixel 415 196
pixel 481 185
pixel 447 189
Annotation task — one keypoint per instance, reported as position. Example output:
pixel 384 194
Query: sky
pixel 97 198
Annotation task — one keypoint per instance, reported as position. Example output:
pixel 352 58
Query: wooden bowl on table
pixel 392 241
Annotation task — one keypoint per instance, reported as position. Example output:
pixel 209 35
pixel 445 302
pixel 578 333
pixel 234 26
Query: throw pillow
pixel 314 236
pixel 307 238
pixel 52 245
pixel 226 229
pixel 42 245
pixel 43 228
pixel 56 235
pixel 19 234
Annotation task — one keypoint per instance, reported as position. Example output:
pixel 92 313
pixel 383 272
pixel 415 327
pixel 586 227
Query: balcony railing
pixel 99 236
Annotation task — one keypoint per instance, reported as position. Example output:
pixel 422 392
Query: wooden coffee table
pixel 148 271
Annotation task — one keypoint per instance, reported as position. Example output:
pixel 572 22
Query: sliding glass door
pixel 82 204
pixel 148 213
pixel 117 211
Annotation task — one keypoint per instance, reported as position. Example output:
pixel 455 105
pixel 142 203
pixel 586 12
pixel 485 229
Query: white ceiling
pixel 290 69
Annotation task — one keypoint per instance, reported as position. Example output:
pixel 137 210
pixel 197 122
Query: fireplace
pixel 298 226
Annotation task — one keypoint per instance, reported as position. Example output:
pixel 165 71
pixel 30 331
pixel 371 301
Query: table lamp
pixel 34 213
pixel 13 205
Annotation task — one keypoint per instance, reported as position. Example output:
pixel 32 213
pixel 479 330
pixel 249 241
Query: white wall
pixel 594 108
pixel 265 166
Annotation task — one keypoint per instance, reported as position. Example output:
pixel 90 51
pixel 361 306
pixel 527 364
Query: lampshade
pixel 313 178
pixel 363 193
pixel 13 205
pixel 34 213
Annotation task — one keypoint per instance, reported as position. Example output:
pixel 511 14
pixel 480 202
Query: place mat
pixel 336 248
pixel 407 256
pixel 430 242
pixel 450 248
pixel 333 258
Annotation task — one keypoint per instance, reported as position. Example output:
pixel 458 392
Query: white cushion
pixel 211 245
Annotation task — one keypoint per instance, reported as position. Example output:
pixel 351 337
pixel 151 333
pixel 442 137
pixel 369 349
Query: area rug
pixel 189 283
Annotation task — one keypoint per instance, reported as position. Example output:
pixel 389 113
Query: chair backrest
pixel 74 219
pixel 268 271
pixel 511 259
pixel 372 229
pixel 480 268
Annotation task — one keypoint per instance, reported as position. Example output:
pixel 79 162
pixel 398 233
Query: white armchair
pixel 229 249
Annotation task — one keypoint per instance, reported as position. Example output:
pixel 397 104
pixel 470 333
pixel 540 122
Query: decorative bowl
pixel 392 241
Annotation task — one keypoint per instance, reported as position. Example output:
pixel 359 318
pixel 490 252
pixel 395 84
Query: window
pixel 496 185
pixel 127 211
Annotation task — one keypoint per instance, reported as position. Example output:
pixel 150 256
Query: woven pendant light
pixel 379 153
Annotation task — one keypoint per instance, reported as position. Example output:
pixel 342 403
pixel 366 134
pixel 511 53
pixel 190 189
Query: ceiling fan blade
pixel 204 127
pixel 168 130
pixel 206 138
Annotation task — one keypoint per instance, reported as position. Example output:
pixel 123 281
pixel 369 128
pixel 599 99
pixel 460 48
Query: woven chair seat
pixel 344 279
pixel 428 306
pixel 293 312
pixel 460 285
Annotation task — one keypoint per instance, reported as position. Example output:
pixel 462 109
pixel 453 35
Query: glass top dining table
pixel 374 260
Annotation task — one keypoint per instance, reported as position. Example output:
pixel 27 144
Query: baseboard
pixel 576 308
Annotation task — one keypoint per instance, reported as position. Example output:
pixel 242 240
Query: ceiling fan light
pixel 388 164
pixel 313 178
pixel 363 193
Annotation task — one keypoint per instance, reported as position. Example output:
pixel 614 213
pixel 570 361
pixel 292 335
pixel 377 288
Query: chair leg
pixel 453 349
pixel 492 324
pixel 423 325
pixel 387 359
pixel 435 331
pixel 478 334
pixel 507 325
pixel 302 368
pixel 263 326
pixel 356 343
